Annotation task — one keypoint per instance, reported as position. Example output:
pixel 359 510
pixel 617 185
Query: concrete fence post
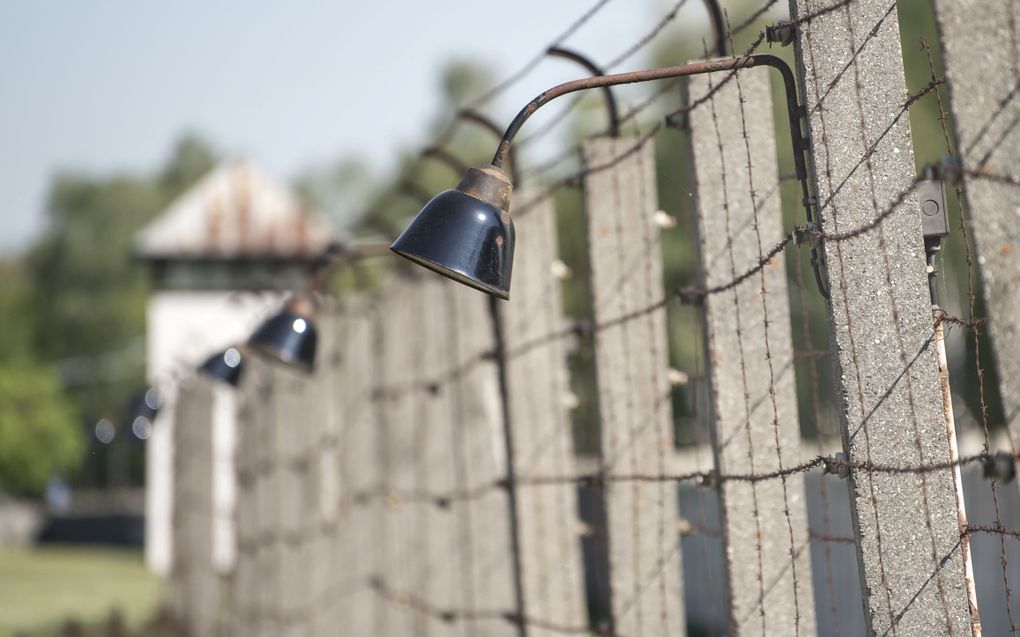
pixel 851 73
pixel 632 363
pixel 754 421
pixel 984 79
pixel 537 387
pixel 194 589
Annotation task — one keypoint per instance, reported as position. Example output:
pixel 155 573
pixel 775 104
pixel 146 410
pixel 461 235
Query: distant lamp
pixel 141 427
pixel 288 337
pixel 225 366
pixel 466 233
pixel 143 408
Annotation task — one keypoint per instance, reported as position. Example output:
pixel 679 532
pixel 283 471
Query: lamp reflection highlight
pixel 226 366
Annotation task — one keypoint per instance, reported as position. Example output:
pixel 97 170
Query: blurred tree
pixel 88 293
pixel 39 435
pixel 340 190
pixel 462 81
pixel 16 337
pixel 191 159
pixel 78 302
pixel 38 431
pixel 386 208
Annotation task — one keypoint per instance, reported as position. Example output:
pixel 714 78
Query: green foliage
pixel 39 435
pixel 88 291
pixel 339 190
pixel 75 305
pixel 41 588
pixel 191 159
pixel 462 81
pixel 16 336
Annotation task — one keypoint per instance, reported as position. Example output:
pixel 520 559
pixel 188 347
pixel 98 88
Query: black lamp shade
pixel 463 238
pixel 466 234
pixel 225 366
pixel 287 337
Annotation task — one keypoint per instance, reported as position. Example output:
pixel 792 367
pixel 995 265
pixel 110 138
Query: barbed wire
pixel 269 466
pixel 707 478
pixel 541 131
pixel 973 323
pixel 530 65
pixel 688 294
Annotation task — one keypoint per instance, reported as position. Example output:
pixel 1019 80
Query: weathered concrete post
pixel 437 466
pixel 245 580
pixel 438 437
pixel 754 422
pixel 480 451
pixel 632 361
pixel 194 592
pixel 983 82
pixel 851 73
pixel 537 382
pixel 398 456
pixel 355 607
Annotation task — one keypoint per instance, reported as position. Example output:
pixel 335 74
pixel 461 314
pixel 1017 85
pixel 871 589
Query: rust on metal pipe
pixel 794 112
pixel 607 92
pixel 793 108
pixel 954 457
pixel 474 116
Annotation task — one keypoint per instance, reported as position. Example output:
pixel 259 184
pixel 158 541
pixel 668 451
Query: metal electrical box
pixel 934 214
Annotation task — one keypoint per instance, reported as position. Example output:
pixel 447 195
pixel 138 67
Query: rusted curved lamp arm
pixel 695 68
pixel 607 92
pixel 794 112
pixel 489 125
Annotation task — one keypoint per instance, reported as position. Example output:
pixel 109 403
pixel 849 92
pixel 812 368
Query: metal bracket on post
pixel 934 225
pixel 934 214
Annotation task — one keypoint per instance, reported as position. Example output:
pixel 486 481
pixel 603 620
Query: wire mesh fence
pixel 745 478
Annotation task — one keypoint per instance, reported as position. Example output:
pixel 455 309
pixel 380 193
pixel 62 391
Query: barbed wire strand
pixel 753 196
pixel 264 465
pixel 975 332
pixel 746 393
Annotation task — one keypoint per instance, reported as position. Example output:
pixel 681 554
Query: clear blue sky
pixel 108 85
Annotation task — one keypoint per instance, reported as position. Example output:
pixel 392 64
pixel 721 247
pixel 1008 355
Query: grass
pixel 40 588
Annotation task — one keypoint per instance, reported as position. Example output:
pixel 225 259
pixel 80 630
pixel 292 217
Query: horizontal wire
pixel 684 294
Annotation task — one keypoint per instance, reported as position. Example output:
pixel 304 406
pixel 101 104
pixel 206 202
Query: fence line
pixel 195 587
pixel 423 481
